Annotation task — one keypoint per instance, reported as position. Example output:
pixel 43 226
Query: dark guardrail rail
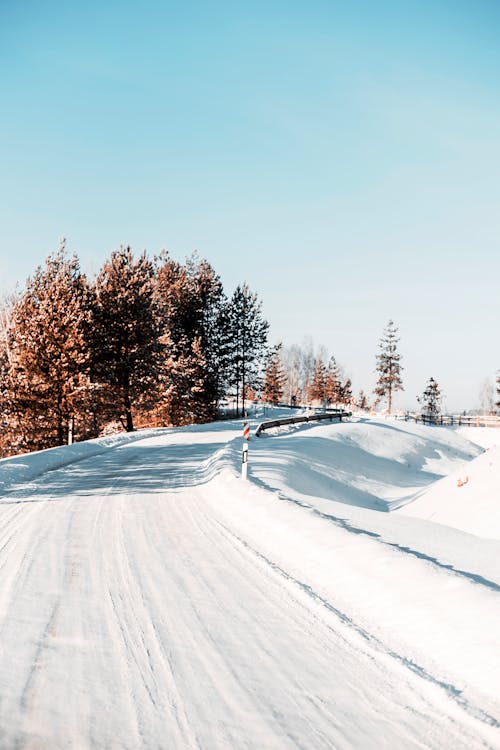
pixel 331 415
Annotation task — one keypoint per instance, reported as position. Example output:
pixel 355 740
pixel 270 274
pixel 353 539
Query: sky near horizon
pixel 342 158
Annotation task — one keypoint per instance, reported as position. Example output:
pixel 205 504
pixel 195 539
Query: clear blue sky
pixel 343 158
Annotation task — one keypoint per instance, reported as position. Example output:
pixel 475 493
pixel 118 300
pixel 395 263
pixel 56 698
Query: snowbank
pixel 375 464
pixel 436 620
pixel 467 499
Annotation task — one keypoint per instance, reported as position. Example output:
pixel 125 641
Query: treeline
pixel 146 342
pixel 304 374
pixel 154 342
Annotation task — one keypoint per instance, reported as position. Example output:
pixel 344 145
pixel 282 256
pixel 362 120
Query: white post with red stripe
pixel 244 455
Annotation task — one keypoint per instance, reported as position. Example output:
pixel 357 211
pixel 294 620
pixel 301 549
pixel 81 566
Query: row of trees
pixel 154 342
pixel 389 370
pixel 298 374
pixel 146 342
pixel 304 375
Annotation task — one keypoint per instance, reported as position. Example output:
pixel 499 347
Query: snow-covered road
pixel 133 615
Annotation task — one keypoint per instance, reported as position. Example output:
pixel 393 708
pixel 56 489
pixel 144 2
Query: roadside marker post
pixel 244 455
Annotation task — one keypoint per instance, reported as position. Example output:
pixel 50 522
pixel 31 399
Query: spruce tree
pixel 274 377
pixel 333 385
pixel 210 302
pixel 388 366
pixel 247 341
pixel 317 386
pixel 182 360
pixel 431 399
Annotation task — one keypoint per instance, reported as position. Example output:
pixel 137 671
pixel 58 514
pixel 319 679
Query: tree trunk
pixel 129 425
pixel 61 427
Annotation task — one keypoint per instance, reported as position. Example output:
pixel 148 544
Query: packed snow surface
pixel 346 596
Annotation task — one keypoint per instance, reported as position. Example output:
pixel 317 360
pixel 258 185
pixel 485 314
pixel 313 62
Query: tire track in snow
pixel 137 633
pixel 195 625
pixel 452 691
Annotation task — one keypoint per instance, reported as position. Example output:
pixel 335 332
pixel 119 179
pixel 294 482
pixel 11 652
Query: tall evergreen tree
pixel 247 340
pixel 389 366
pixel 191 300
pixel 48 380
pixel 182 361
pixel 333 382
pixel 431 399
pixel 210 304
pixel 126 332
pixel 274 377
pixel 317 386
pixel 346 392
pixel 363 401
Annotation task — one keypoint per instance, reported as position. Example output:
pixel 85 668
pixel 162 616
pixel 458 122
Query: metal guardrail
pixel 334 414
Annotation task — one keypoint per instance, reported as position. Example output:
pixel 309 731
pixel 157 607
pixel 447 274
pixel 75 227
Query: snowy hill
pixel 467 499
pixel 151 599
pixel 367 463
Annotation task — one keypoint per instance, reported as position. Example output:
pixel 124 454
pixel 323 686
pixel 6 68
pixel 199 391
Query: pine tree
pixel 317 386
pixel 182 360
pixel 48 379
pixel 126 332
pixel 247 341
pixel 191 301
pixel 388 366
pixel 431 399
pixel 346 392
pixel 333 385
pixel 274 377
pixel 210 303
pixel 363 401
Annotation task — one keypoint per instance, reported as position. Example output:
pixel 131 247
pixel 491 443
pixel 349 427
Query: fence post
pixel 244 454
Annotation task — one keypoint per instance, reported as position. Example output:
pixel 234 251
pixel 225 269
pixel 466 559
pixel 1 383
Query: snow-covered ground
pixel 346 596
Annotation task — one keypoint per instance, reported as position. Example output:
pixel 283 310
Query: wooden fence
pixel 450 420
